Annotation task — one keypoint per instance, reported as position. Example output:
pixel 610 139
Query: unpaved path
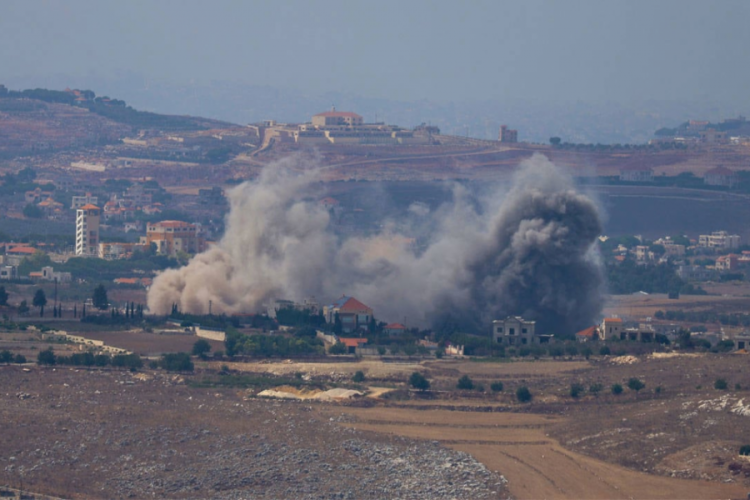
pixel 536 466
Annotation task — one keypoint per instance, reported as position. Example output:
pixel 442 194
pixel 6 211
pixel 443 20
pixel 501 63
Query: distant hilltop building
pixel 507 135
pixel 87 230
pixel 335 118
pixel 344 128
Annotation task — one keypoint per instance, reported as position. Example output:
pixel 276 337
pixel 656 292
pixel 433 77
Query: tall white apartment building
pixel 87 230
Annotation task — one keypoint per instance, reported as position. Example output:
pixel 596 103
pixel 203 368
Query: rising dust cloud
pixel 527 250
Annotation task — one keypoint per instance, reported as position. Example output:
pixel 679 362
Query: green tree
pixel 616 389
pixel 555 141
pixel 46 357
pixel 635 384
pixel 40 300
pixel 605 350
pixel 410 349
pixel 201 348
pixel 6 357
pixel 23 308
pixel 720 384
pixel 359 376
pixel 418 381
pixel 337 348
pixel 19 359
pixel 465 383
pixel 32 211
pixel 176 362
pixel 337 326
pixel 576 390
pixel 523 394
pixel 3 296
pixel 99 298
pixel 595 389
pixel 497 387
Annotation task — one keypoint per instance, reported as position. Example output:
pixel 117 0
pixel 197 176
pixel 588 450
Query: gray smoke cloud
pixel 525 250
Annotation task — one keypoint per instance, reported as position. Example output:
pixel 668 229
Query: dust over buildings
pixel 525 250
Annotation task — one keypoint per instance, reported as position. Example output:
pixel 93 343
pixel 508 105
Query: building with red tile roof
pixel 589 334
pixel 352 314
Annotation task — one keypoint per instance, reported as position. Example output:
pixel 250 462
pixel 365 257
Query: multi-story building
pixel 719 239
pixel 507 135
pixel 335 118
pixel 611 328
pixel 514 330
pixel 720 176
pixel 87 199
pixel 87 230
pixel 352 313
pixel 637 174
pixel 172 237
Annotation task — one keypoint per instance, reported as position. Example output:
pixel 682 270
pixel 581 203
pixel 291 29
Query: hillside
pixel 42 121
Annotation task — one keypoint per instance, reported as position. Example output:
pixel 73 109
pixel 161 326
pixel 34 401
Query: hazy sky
pixel 405 49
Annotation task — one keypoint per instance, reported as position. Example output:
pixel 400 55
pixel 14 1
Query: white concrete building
pixel 87 230
pixel 514 330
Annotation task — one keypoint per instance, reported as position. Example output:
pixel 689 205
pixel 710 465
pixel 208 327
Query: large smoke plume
pixel 525 250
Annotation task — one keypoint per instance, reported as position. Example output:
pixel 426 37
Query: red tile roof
pixel 352 342
pixel 395 326
pixel 588 332
pixel 354 305
pixel 613 320
pixel 171 223
pixel 26 250
pixel 89 207
pixel 720 170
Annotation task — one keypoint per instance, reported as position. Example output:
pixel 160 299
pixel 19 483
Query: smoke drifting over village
pixel 526 250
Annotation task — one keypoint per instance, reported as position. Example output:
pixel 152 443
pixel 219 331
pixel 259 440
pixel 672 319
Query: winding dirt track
pixel 536 466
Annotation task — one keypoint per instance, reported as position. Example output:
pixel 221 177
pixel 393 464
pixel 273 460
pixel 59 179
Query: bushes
pixel 616 389
pixel 176 362
pixel 576 390
pixel 201 348
pixel 46 357
pixel 635 384
pixel 745 449
pixel 465 383
pixel 720 384
pixel 497 387
pixel 418 381
pixel 523 394
pixel 358 377
pixel 595 389
pixel 337 348
pixel 604 351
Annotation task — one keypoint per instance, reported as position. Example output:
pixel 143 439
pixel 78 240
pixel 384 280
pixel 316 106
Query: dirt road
pixel 536 466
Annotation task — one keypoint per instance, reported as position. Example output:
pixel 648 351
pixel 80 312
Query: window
pixel 499 329
pixel 511 331
pixel 523 330
pixel 523 341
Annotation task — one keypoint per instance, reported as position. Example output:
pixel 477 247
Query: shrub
pixel 576 390
pixel 523 394
pixel 586 352
pixel 595 389
pixel 176 362
pixel 745 449
pixel 101 360
pixel 737 387
pixel 657 390
pixel 571 349
pixel 47 357
pixel 439 354
pixel 153 365
pixel 465 383
pixel 337 348
pixel 132 361
pixel 20 359
pixel 635 385
pixel 6 357
pixel 720 384
pixel 479 387
pixel 605 350
pixel 381 350
pixel 418 381
pixel 201 348
pixel 497 387
pixel 359 376
pixel 555 351
pixel 524 352
pixel 616 389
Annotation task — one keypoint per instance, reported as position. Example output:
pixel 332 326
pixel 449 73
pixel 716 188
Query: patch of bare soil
pixel 77 433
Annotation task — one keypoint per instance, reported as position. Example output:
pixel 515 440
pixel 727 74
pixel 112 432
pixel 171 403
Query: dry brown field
pixel 642 306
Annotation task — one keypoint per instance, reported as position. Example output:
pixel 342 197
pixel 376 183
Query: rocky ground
pixel 110 434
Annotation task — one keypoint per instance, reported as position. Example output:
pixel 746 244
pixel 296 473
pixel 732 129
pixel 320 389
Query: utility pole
pixel 210 304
